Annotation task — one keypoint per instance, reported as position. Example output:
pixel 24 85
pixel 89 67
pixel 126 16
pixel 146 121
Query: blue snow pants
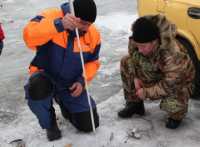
pixel 77 107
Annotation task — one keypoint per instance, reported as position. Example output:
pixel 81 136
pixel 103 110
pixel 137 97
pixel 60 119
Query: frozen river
pixel 114 20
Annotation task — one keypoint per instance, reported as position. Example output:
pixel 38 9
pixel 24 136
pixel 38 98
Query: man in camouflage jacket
pixel 157 67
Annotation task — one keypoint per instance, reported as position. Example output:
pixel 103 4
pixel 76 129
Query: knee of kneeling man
pixel 88 128
pixel 40 86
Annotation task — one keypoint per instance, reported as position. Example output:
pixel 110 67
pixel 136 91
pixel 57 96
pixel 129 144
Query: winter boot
pixel 54 132
pixel 173 124
pixel 196 95
pixel 132 108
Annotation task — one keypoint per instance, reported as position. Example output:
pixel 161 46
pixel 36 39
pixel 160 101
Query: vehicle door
pixel 193 20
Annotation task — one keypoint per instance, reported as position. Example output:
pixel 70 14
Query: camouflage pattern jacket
pixel 169 69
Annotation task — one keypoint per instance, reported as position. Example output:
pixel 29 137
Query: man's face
pixel 83 26
pixel 146 48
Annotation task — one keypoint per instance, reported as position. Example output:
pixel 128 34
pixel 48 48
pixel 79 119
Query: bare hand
pixel 76 89
pixel 70 22
pixel 138 83
pixel 140 94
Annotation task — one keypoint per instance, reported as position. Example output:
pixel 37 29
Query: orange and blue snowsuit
pixel 58 54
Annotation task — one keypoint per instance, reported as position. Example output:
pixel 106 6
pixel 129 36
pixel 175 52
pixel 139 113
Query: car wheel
pixel 196 62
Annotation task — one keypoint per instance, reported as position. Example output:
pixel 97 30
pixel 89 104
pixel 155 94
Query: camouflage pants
pixel 175 107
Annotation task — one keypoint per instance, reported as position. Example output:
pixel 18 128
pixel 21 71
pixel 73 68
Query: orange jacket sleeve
pixel 91 69
pixel 42 28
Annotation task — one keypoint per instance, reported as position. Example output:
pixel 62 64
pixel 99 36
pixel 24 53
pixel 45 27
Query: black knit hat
pixel 85 9
pixel 144 30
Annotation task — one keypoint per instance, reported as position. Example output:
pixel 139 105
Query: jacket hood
pixel 167 36
pixel 167 31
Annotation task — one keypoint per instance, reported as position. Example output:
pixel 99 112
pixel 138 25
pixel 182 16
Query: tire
pixel 196 62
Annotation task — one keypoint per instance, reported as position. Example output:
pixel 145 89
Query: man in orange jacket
pixel 1 39
pixel 56 70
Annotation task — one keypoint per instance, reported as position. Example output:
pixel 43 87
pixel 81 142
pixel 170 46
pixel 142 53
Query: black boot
pixel 54 132
pixel 173 124
pixel 132 108
pixel 196 95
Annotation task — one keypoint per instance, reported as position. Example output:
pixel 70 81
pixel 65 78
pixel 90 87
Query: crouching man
pixel 157 67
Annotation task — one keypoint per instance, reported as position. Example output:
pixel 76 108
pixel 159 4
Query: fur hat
pixel 85 9
pixel 144 30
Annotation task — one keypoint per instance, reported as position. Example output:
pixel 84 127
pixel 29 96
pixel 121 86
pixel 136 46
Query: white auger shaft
pixel 82 63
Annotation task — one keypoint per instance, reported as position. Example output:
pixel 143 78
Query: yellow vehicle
pixel 186 15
